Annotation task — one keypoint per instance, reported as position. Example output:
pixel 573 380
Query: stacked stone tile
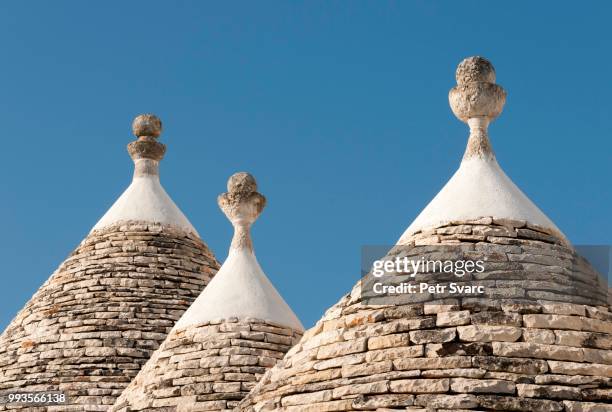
pixel 523 262
pixel 210 366
pixel 237 329
pixel 496 352
pixel 538 339
pixel 92 325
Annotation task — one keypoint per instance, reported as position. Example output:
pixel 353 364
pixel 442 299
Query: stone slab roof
pixel 537 338
pixel 210 366
pixel 94 323
pixel 90 328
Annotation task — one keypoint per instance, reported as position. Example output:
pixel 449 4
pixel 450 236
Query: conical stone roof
pixel 236 329
pixel 91 326
pixel 537 338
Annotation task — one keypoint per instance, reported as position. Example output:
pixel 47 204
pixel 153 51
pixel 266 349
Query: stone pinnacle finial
pixel 242 205
pixel 147 125
pixel 146 151
pixel 477 100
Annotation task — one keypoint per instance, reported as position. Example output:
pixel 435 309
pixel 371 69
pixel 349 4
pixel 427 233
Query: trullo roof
pixel 91 326
pixel 235 330
pixel 533 335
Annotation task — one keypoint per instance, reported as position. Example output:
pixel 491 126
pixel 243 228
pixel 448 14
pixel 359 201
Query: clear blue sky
pixel 338 108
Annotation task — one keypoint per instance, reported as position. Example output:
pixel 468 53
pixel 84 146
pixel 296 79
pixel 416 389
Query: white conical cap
pixel 241 289
pixel 145 200
pixel 479 188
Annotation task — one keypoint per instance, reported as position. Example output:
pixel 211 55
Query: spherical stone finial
pixel 147 125
pixel 476 94
pixel 241 182
pixel 475 69
pixel 147 128
pixel 242 205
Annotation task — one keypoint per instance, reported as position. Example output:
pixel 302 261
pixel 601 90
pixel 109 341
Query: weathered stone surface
pixel 89 329
pixel 583 339
pixel 419 386
pixel 453 318
pixel 454 373
pixel 342 348
pixel 574 368
pixel 463 385
pixel 365 402
pixel 548 391
pixel 388 341
pixel 572 380
pixel 363 388
pixel 538 351
pixel 552 322
pixel 307 398
pixel 496 318
pixel 486 333
pixel 394 353
pixel 597 356
pixel 514 365
pixel 452 362
pixel 447 401
pixel 432 336
pixel 543 336
pixel 586 407
pixel 213 365
pixel 444 360
pixel 458 349
pixel 366 369
pixel 331 406
pixel 508 403
pixel 563 308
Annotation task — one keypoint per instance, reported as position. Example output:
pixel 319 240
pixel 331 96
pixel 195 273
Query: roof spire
pixel 242 205
pixel 145 200
pixel 477 101
pixel 241 289
pixel 479 188
pixel 146 151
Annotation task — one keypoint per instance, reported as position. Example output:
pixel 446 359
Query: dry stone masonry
pixel 505 352
pixel 238 328
pixel 522 262
pixel 94 323
pixel 539 339
pixel 439 357
pixel 207 367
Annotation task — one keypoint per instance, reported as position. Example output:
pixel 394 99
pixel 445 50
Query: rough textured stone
pixel 453 318
pixel 533 285
pixel 543 336
pixel 486 333
pixel 464 385
pixel 548 391
pixel 460 353
pixel 435 336
pixel 89 329
pixel 217 362
pixel 419 386
pixel 447 401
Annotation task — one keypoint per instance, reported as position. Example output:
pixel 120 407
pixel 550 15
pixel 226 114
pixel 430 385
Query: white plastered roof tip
pixel 240 289
pixel 145 200
pixel 479 188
